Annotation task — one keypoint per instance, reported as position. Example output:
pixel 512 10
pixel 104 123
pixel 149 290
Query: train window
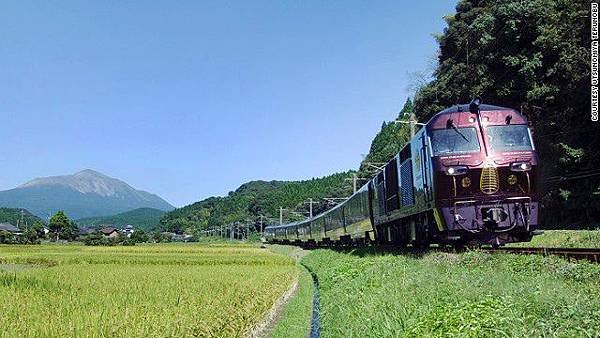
pixel 511 137
pixel 454 140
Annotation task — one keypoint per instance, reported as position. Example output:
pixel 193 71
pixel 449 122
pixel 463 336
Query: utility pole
pixel 375 165
pixel 261 224
pixel 335 200
pixel 280 215
pixel 412 121
pixel 310 207
pixel 355 177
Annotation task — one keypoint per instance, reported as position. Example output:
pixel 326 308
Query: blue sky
pixel 190 99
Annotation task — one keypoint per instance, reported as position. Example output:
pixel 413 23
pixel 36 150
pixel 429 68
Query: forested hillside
pixel 253 199
pixel 534 56
pixel 20 218
pixel 141 218
pixel 388 142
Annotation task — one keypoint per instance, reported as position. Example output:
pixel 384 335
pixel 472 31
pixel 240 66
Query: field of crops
pixel 473 294
pixel 140 291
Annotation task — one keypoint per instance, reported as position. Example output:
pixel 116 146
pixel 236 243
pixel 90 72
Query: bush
pixel 139 236
pixel 6 237
pixel 96 239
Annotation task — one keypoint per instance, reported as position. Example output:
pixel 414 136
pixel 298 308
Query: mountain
pixel 142 218
pixel 256 198
pixel 85 194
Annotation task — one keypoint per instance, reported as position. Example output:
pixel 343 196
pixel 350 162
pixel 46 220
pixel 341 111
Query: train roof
pixel 437 121
pixel 458 108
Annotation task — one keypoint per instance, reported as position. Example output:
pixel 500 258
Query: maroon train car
pixel 484 166
pixel 467 177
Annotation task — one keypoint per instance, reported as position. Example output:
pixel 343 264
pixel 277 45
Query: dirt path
pixel 265 327
pixel 267 324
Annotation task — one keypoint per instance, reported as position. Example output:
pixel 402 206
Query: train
pixel 467 177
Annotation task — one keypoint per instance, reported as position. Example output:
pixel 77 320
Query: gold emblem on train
pixel 489 179
pixel 512 179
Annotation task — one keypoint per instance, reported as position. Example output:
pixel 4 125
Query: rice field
pixel 141 291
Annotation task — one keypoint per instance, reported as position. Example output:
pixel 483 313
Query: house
pixel 10 228
pixel 85 231
pixel 13 232
pixel 128 230
pixel 109 232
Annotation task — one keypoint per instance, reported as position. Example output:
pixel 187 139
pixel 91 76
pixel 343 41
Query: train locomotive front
pixel 484 167
pixel 467 177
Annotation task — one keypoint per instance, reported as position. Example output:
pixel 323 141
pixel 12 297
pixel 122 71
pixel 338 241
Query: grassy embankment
pixel 473 294
pixel 141 291
pixel 565 239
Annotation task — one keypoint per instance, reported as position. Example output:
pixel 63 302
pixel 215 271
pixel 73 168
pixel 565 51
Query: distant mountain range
pixel 87 193
pixel 142 218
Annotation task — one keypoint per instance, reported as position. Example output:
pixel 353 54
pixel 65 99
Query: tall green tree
pixel 59 223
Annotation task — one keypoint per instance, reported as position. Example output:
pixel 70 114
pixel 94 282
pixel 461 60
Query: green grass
pixel 474 294
pixel 141 291
pixel 565 239
pixel 295 319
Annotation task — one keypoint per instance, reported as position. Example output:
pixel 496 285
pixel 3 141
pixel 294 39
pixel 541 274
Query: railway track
pixel 590 254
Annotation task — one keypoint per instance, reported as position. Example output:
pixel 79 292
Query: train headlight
pixel 512 179
pixel 520 166
pixel 456 170
pixel 465 182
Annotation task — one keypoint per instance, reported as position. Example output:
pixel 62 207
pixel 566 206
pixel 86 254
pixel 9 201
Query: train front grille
pixel 489 181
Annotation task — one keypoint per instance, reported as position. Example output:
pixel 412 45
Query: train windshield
pixel 509 137
pixel 454 141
